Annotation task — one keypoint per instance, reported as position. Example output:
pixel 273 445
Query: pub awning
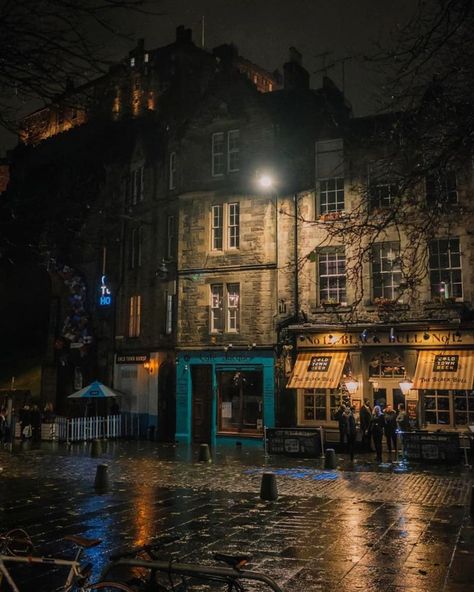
pixel 317 370
pixel 444 369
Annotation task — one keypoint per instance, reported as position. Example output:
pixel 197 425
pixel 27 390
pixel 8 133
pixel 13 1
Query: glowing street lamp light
pixel 406 386
pixel 265 181
pixel 352 385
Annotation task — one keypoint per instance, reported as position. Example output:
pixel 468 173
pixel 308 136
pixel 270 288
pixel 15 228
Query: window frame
pixel 134 320
pixel 392 287
pixel 331 399
pixel 225 227
pixel 172 171
pixel 445 271
pixel 225 152
pixel 224 312
pixel 341 291
pixel 218 156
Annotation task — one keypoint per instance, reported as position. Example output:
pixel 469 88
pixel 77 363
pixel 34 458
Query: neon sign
pixel 105 295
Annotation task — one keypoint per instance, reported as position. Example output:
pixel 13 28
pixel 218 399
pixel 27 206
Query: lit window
pixel 331 195
pixel 445 268
pixel 436 406
pixel 134 316
pixel 225 308
pixel 132 62
pixel 386 273
pixel 332 275
pixel 146 58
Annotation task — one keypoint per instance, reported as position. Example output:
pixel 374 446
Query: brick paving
pixel 372 527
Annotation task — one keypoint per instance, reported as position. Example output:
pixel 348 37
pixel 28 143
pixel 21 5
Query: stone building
pixel 219 305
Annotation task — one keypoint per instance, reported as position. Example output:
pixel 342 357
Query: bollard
pixel 204 453
pixel 101 482
pixel 268 487
pixel 330 459
pixel 96 448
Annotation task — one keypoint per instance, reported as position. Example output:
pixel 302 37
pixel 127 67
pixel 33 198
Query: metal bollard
pixel 330 459
pixel 204 453
pixel 268 487
pixel 101 483
pixel 96 448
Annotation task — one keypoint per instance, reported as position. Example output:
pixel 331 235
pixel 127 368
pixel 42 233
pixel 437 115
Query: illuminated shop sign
pixel 139 358
pixel 105 295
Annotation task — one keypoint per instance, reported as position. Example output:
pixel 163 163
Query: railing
pixel 91 428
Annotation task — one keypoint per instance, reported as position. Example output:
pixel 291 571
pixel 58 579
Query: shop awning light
pixel 391 337
pixel 364 335
pixel 406 386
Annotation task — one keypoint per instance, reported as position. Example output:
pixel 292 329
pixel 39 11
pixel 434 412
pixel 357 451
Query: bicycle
pixel 230 576
pixel 16 547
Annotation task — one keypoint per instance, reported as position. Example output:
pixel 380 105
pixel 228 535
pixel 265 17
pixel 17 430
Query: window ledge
pixel 332 308
pixel 432 305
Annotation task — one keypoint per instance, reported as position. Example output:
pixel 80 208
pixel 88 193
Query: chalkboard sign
pixel 294 441
pixel 431 446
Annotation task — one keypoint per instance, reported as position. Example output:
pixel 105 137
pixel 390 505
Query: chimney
pixel 295 77
pixel 183 35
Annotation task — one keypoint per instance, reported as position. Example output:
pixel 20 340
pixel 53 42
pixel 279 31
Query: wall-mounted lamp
pixel 375 339
pixel 406 386
pixel 426 335
pixel 162 270
pixel 391 336
pixel 301 337
pixel 352 385
pixel 148 366
pixel 364 335
pixel 375 385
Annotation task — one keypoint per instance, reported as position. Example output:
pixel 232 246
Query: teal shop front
pixel 224 397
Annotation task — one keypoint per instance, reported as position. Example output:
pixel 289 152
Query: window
pixel 330 176
pixel 136 248
pixel 383 185
pixel 441 188
pixel 225 308
pixel 464 408
pixel 170 236
pixel 136 185
pixel 240 407
pixel 386 364
pixel 436 407
pixel 319 405
pixel 233 151
pixel 134 316
pixel 225 234
pixel 445 268
pixel 386 273
pixel 172 171
pixel 225 152
pixel 169 314
pixel 332 276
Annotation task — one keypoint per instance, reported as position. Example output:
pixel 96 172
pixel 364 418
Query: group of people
pixel 374 424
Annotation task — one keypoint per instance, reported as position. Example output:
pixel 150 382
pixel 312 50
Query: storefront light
pixel 406 386
pixel 352 385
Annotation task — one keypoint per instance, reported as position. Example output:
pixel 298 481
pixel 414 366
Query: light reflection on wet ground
pixel 393 528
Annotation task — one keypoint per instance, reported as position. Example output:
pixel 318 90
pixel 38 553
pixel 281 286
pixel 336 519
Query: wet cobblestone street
pixel 363 527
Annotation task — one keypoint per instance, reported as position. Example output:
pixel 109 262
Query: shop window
pixel 386 365
pixel 386 272
pixel 330 176
pixel 463 408
pixel 225 308
pixel 240 401
pixel 436 407
pixel 319 405
pixel 445 269
pixel 225 226
pixel 332 276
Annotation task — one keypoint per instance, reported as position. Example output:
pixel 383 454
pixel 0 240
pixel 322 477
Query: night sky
pixel 263 30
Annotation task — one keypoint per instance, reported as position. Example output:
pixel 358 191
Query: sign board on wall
pixel 139 358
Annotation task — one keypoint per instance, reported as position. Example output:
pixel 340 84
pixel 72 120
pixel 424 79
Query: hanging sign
pixel 105 295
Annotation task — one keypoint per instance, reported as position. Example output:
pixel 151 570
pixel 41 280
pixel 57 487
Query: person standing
pixel 377 428
pixel 365 416
pixel 390 428
pixel 339 415
pixel 350 429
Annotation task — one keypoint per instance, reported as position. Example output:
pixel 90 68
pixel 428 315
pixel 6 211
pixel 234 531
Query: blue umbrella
pixel 95 390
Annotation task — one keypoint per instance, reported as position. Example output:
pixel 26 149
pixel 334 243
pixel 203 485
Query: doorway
pixel 388 393
pixel 201 384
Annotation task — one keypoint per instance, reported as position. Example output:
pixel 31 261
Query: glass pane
pixel 443 418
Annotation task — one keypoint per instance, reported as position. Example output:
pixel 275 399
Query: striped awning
pixel 444 369
pixel 317 370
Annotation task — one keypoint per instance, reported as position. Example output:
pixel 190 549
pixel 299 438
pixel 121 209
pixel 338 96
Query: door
pixel 166 402
pixel 388 393
pixel 201 381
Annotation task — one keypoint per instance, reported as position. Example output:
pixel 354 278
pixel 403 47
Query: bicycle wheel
pixel 107 586
pixel 17 542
